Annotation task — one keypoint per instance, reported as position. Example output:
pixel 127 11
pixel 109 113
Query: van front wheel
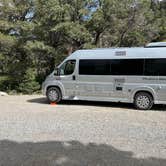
pixel 143 101
pixel 54 95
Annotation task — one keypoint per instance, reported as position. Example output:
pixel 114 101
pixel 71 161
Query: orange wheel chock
pixel 53 103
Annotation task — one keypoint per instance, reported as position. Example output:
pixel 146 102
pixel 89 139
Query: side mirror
pixel 57 72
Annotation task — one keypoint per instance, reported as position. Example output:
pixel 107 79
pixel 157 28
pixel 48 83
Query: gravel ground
pixel 32 132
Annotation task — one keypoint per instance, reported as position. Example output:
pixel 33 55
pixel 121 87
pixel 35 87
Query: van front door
pixel 67 77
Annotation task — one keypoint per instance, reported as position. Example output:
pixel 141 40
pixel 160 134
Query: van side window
pixel 155 67
pixel 68 67
pixel 111 67
pixel 133 67
pixel 93 67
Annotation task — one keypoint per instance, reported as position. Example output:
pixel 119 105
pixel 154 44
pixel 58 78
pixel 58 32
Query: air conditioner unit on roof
pixel 156 44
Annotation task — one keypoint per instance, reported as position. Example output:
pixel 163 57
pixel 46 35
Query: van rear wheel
pixel 143 101
pixel 54 95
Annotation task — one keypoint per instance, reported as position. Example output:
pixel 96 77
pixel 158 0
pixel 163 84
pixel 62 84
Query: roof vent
pixel 120 53
pixel 156 44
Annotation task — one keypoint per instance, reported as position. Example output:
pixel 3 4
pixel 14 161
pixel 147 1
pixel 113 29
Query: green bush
pixel 29 84
pixel 5 83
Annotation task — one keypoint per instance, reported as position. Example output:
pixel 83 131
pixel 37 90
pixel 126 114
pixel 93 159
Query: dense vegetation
pixel 35 35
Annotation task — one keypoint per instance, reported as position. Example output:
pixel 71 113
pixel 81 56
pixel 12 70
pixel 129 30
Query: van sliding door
pixel 94 81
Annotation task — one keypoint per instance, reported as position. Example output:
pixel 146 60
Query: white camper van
pixel 130 75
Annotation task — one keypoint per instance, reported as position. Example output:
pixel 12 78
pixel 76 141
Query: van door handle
pixel 74 77
pixel 119 88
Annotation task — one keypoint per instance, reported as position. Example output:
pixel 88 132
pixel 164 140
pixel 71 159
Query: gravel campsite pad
pixel 32 132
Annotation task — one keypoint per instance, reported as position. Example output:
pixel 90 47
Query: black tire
pixel 54 95
pixel 143 101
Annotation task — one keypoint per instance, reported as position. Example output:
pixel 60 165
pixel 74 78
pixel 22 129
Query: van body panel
pixel 115 88
pixel 54 83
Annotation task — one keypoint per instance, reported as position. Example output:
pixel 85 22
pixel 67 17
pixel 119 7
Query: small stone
pixel 3 94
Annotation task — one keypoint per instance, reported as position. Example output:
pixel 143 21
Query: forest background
pixel 36 35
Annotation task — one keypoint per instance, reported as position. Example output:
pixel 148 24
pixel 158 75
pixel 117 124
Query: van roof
pixel 120 53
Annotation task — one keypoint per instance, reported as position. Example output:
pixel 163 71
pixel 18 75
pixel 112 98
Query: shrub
pixel 29 84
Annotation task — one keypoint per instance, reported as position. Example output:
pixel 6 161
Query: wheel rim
pixel 53 95
pixel 143 102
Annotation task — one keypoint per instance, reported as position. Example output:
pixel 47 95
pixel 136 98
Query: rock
pixel 3 94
